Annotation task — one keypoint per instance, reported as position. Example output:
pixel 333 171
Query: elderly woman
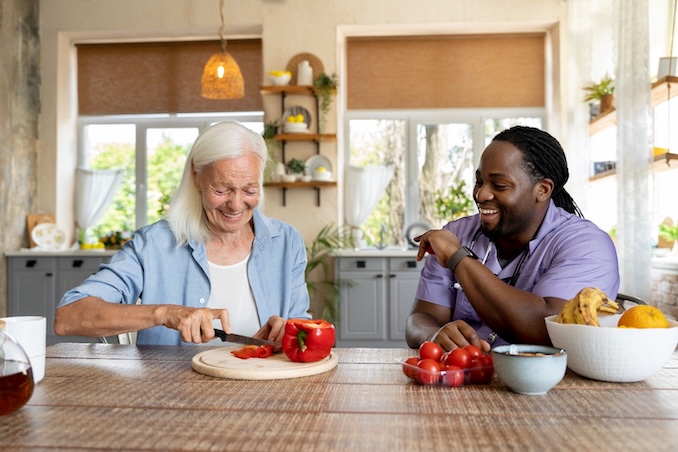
pixel 216 257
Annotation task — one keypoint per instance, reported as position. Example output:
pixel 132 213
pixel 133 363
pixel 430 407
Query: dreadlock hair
pixel 543 158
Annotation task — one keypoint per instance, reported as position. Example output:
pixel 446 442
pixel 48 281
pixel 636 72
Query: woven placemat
pixel 313 60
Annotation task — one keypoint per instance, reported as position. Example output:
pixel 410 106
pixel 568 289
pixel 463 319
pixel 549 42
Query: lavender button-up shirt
pixel 567 254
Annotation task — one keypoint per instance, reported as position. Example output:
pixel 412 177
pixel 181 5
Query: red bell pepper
pixel 253 351
pixel 308 340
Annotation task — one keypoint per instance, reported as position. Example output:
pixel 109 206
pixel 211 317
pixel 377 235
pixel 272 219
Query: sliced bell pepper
pixel 308 340
pixel 253 351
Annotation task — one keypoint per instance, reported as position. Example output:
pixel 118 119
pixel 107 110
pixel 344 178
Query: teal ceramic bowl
pixel 529 369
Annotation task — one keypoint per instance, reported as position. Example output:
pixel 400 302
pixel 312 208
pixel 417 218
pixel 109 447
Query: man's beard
pixel 493 233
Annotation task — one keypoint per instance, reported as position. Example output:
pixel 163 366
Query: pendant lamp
pixel 221 77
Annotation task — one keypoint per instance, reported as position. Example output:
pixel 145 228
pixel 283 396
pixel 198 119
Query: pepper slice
pixel 253 351
pixel 308 340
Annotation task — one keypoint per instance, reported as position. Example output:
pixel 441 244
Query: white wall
pixel 287 27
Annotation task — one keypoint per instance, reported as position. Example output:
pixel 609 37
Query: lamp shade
pixel 221 78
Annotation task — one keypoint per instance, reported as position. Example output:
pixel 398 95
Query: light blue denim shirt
pixel 150 267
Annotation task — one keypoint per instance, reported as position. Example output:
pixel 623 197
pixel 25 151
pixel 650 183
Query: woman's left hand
pixel 273 330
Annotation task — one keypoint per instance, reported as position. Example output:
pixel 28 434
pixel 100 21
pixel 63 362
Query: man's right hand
pixel 459 334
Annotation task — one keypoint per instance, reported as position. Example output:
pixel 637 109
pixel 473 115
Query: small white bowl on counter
pixel 529 369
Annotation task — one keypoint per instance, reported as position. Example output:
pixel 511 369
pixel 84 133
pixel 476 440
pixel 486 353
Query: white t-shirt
pixel 231 290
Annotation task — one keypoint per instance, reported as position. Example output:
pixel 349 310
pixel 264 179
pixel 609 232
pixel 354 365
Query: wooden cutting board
pixel 219 362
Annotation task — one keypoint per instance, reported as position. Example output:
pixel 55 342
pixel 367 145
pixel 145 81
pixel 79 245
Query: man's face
pixel 505 194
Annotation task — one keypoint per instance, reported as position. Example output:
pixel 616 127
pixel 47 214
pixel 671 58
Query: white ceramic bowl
pixel 529 369
pixel 288 177
pixel 280 80
pixel 608 353
pixel 322 175
pixel 295 127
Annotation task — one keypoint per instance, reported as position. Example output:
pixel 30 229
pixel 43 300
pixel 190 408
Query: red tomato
pixel 430 350
pixel 409 367
pixel 486 359
pixel 479 372
pixel 428 372
pixel 453 376
pixel 473 351
pixel 458 357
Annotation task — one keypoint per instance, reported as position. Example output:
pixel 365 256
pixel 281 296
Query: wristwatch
pixel 458 256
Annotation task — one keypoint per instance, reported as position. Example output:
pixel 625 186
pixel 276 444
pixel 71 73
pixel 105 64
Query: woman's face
pixel 230 191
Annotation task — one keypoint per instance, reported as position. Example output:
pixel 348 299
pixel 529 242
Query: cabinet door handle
pixel 411 264
pixel 361 264
pixel 49 274
pixel 77 263
pixel 379 275
pixel 30 263
pixel 391 275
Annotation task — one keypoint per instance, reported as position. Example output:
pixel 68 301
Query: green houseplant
pixel 670 232
pixel 324 88
pixel 319 279
pixel 296 166
pixel 600 93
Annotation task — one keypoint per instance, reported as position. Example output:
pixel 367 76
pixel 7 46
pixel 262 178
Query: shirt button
pixel 202 301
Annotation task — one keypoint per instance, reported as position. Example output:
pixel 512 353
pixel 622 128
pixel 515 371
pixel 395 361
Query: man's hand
pixel 459 334
pixel 440 242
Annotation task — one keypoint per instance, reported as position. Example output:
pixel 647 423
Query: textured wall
pixel 19 110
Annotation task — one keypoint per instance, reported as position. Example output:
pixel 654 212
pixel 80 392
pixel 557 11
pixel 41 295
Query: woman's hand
pixel 459 334
pixel 273 330
pixel 194 324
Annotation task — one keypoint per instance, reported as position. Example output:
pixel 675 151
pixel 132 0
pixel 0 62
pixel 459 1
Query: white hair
pixel 224 140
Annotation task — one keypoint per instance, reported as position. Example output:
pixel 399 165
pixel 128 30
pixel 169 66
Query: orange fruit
pixel 643 317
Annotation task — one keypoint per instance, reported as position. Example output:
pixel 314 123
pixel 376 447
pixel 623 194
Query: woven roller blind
pixel 463 71
pixel 163 77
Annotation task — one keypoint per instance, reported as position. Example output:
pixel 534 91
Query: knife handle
pixel 221 334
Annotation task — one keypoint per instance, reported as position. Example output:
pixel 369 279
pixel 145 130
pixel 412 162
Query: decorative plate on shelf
pixel 301 123
pixel 315 162
pixel 48 236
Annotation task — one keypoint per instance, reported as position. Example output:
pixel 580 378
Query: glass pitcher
pixel 16 375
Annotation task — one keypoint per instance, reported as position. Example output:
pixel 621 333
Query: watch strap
pixel 461 253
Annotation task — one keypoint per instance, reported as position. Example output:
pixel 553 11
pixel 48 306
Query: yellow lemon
pixel 287 73
pixel 299 117
pixel 321 169
pixel 290 119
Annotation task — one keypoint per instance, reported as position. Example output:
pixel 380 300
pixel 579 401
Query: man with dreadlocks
pixel 491 278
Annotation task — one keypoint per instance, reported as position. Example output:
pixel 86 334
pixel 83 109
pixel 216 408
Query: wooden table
pixel 127 397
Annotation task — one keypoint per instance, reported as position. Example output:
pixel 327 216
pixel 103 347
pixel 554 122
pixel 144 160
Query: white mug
pixel 31 333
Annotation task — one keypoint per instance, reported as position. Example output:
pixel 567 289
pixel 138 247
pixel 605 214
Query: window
pixel 432 152
pixel 152 151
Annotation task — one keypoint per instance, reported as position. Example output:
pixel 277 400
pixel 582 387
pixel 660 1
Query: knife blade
pixel 247 340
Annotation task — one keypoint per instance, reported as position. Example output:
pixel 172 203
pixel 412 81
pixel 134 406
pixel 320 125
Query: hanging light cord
pixel 222 29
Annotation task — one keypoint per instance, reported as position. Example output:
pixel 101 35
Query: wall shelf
pixel 315 184
pixel 661 162
pixel 662 90
pixel 293 138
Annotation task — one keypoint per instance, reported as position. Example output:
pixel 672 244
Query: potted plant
pixel 296 167
pixel 325 87
pixel 600 93
pixel 318 252
pixel 670 232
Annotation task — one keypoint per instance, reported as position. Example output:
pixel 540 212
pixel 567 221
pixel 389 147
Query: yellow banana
pixel 583 309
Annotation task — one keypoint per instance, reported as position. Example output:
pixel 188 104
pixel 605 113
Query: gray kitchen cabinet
pixel 377 294
pixel 35 285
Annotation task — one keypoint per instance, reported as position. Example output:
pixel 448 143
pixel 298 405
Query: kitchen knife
pixel 247 340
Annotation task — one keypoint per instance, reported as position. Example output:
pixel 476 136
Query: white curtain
pixel 94 191
pixel 364 188
pixel 634 167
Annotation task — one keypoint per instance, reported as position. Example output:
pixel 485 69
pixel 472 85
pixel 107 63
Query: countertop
pixel 26 252
pixel 374 252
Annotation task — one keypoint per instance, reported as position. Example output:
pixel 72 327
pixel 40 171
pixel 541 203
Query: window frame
pixel 412 117
pixel 158 121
